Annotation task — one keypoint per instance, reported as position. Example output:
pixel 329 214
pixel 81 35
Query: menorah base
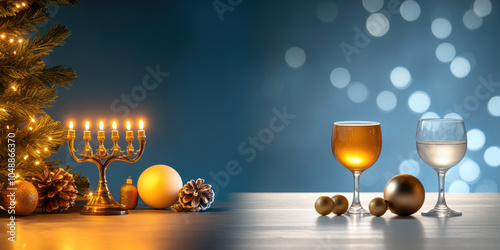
pixel 104 210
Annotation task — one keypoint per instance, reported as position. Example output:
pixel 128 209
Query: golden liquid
pixel 356 146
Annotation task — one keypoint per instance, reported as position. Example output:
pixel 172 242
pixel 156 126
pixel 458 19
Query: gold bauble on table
pixel 159 186
pixel 378 206
pixel 323 205
pixel 340 204
pixel 23 196
pixel 405 194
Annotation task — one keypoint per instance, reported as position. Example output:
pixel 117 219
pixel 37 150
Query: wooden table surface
pixel 289 221
pixel 264 221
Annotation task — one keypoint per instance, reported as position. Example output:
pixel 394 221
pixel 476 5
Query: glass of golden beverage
pixel 356 145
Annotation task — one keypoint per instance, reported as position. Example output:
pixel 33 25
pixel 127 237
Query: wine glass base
pixel 358 211
pixel 446 212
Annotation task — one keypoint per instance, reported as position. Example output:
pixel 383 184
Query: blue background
pixel 227 75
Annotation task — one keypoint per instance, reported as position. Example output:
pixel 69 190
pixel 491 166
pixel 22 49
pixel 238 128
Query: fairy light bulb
pixel 26 157
pixel 14 88
pixel 36 163
pixel 50 138
pixel 11 40
pixel 45 149
pixel 32 119
pixel 2 36
pixel 38 151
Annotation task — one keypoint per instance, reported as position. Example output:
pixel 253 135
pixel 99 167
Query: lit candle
pixel 100 133
pixel 129 133
pixel 141 135
pixel 86 133
pixel 86 139
pixel 129 136
pixel 71 132
pixel 114 132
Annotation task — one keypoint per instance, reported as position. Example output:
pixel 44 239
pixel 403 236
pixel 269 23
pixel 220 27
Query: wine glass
pixel 441 144
pixel 356 145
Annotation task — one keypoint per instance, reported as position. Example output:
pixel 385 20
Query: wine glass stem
pixel 441 202
pixel 355 197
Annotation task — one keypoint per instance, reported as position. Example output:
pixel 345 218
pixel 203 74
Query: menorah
pixel 102 203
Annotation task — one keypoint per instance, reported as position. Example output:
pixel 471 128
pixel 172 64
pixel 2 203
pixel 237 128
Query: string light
pixel 26 157
pixel 2 36
pixel 32 119
pixel 20 40
pixel 11 40
pixel 37 151
pixel 31 128
pixel 8 127
pixel 45 149
pixel 14 87
pixel 36 163
pixel 4 110
pixel 50 138
pixel 23 4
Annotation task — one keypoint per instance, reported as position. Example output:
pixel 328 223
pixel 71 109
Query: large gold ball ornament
pixel 405 194
pixel 378 206
pixel 23 198
pixel 340 204
pixel 159 186
pixel 323 205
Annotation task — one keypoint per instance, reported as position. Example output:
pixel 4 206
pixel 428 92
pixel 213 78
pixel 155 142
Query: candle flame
pixel 141 125
pixel 70 125
pixel 101 125
pixel 87 125
pixel 114 125
pixel 128 125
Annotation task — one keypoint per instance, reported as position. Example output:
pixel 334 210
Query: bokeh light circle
pixel 377 24
pixel 295 57
pixel 373 5
pixel 494 106
pixel 492 156
pixel 400 77
pixel 429 114
pixel 453 115
pixel 460 67
pixel 482 8
pixel 327 11
pixel 357 92
pixel 475 139
pixel 340 77
pixel 471 20
pixel 441 28
pixel 409 167
pixel 469 170
pixel 410 10
pixel 486 186
pixel 386 101
pixel 459 186
pixel 445 52
pixel 419 102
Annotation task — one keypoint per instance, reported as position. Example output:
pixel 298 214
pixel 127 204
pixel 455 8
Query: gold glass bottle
pixel 128 194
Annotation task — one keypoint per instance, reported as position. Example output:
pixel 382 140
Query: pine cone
pixel 56 190
pixel 194 196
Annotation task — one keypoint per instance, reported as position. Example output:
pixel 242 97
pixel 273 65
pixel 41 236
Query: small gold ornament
pixel 340 204
pixel 404 194
pixel 128 194
pixel 378 206
pixel 323 205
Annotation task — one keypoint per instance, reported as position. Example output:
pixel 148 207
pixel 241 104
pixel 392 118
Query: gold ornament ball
pixel 25 197
pixel 404 194
pixel 378 206
pixel 340 204
pixel 323 205
pixel 159 186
